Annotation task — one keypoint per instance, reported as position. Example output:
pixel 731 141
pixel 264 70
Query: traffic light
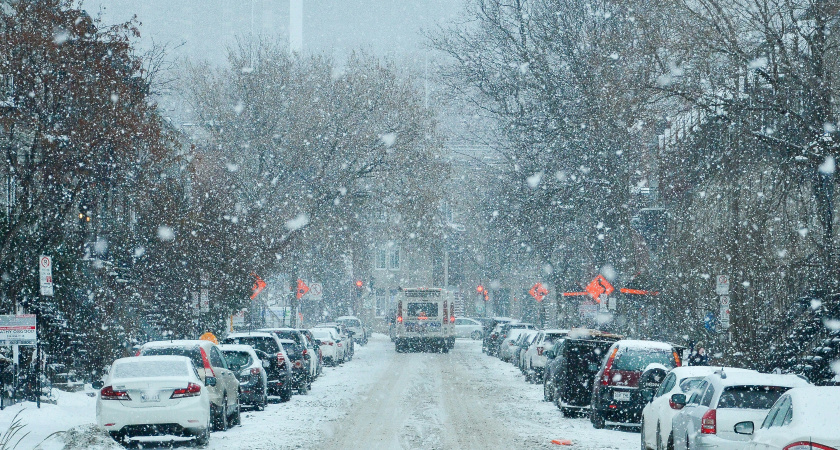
pixel 359 284
pixel 479 289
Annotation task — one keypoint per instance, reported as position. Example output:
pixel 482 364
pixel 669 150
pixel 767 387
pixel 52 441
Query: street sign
pixel 722 285
pixel 237 320
pixel 538 291
pixel 20 329
pixel 709 322
pixel 316 291
pixel 205 301
pixel 724 317
pixel 598 287
pixel 724 301
pixel 588 311
pixel 302 289
pixel 258 287
pixel 45 269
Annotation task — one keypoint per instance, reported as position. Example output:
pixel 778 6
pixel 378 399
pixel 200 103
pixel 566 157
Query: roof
pixel 236 348
pixel 751 378
pixel 702 371
pixel 131 359
pixel 586 333
pixel 816 409
pixel 251 333
pixel 271 330
pixel 556 331
pixel 645 345
pixel 177 343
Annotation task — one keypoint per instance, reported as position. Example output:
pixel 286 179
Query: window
pixel 394 258
pixel 750 397
pixel 216 359
pixel 666 386
pixel 638 359
pixel 707 397
pixel 381 259
pixel 777 415
pixel 695 396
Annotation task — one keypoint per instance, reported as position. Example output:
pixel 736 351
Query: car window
pixel 263 343
pixel 459 321
pixel 771 415
pixel 695 395
pixel 782 412
pixel 236 359
pixel 190 352
pixel 707 396
pixel 666 385
pixel 750 397
pixel 551 338
pixel 689 384
pixel 637 359
pixel 216 359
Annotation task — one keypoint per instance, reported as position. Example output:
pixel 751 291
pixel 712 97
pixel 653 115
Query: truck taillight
pixel 206 362
pixel 108 393
pixel 399 311
pixel 708 424
pixel 540 351
pixel 606 377
pixel 192 390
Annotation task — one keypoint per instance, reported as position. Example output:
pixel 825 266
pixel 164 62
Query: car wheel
pixel 642 434
pixel 222 416
pixel 658 437
pixel 548 395
pixel 597 419
pixel 303 388
pixel 286 394
pixel 204 438
pixel 236 418
pixel 670 442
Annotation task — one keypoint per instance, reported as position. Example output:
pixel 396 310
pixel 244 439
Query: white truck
pixel 425 320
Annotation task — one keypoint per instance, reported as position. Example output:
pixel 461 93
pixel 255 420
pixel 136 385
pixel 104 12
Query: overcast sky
pixel 207 27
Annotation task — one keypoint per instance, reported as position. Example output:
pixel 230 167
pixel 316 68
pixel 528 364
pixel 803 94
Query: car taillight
pixel 399 311
pixel 339 344
pixel 540 350
pixel 305 352
pixel 280 359
pixel 206 363
pixel 708 424
pixel 108 393
pixel 192 390
pixel 138 353
pixel 804 445
pixel 330 343
pixel 606 377
pixel 511 343
pixel 255 370
pixel 451 319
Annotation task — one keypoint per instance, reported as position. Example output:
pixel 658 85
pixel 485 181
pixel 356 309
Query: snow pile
pixel 83 437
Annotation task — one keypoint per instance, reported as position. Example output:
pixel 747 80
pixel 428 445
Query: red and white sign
pixel 538 291
pixel 316 291
pixel 45 269
pixel 18 329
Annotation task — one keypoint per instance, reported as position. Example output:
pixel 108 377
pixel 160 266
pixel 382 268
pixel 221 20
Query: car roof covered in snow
pixel 556 331
pixel 644 345
pixel 816 411
pixel 237 348
pixel 703 371
pixel 751 378
pixel 133 359
pixel 177 343
pixel 251 333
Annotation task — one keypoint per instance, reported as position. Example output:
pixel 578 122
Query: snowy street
pixel 381 399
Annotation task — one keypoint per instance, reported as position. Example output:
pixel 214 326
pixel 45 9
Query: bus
pixel 425 320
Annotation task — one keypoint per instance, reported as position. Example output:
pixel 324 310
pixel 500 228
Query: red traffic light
pixel 479 289
pixel 359 283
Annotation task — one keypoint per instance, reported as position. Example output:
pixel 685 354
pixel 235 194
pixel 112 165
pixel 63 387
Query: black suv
pixel 278 368
pixel 300 353
pixel 572 365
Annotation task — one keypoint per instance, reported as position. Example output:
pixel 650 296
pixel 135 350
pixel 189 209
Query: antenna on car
pixel 722 374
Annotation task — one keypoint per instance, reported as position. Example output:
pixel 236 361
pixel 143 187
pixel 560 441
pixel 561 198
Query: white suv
pixel 354 325
pixel 534 359
pixel 707 419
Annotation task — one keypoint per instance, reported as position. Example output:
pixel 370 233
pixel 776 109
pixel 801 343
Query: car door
pixel 224 375
pixel 653 411
pixel 772 434
pixel 682 422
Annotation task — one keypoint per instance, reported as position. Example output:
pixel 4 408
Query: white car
pixel 468 328
pixel 658 414
pixel 354 325
pixel 154 395
pixel 534 359
pixel 509 343
pixel 708 418
pixel 331 346
pixel 802 419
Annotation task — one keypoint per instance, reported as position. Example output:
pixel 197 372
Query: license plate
pixel 621 396
pixel 147 397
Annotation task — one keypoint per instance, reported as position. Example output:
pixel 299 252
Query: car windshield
pixel 351 322
pixel 552 338
pixel 750 397
pixel 237 360
pixel 263 343
pixel 638 359
pixel 290 335
pixel 322 335
pixel 141 368
pixel 193 353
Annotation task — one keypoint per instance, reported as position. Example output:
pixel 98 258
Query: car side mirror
pixel 98 384
pixel 266 363
pixel 677 401
pixel 210 381
pixel 747 428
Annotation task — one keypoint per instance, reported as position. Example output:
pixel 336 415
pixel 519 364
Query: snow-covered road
pixel 385 400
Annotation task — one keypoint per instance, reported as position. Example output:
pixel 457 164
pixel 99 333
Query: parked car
pixel 535 360
pixel 153 396
pixel 468 328
pixel 707 419
pixel 658 414
pixel 804 418
pixel 346 337
pixel 354 325
pixel 317 356
pixel 615 394
pixel 331 346
pixel 501 333
pixel 522 345
pixel 300 353
pixel 490 326
pixel 573 364
pixel 208 359
pixel 251 372
pixel 509 343
pixel 278 366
